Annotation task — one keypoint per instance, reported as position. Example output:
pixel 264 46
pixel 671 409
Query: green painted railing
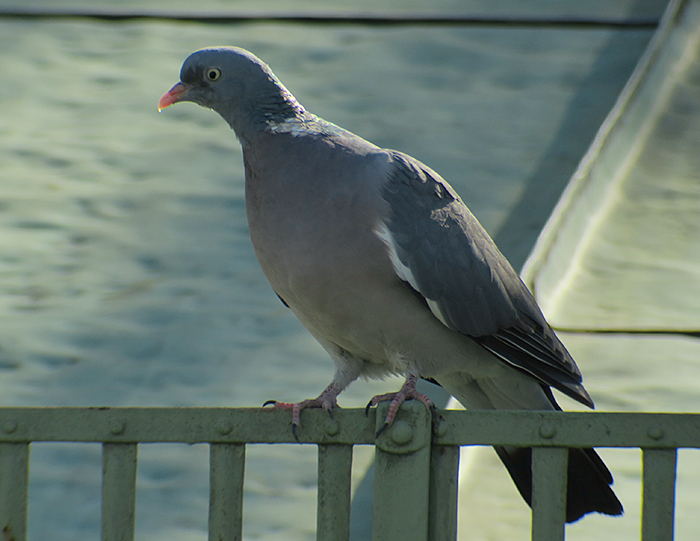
pixel 416 461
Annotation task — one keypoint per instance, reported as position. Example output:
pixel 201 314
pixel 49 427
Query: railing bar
pixel 444 476
pixel 334 476
pixel 549 472
pixel 14 480
pixel 202 425
pixel 658 493
pixel 226 476
pixel 402 474
pixel 119 462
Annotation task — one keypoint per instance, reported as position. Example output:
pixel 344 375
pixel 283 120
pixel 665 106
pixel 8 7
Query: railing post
pixel 14 477
pixel 401 485
pixel 444 486
pixel 226 477
pixel 334 476
pixel 658 493
pixel 549 472
pixel 118 491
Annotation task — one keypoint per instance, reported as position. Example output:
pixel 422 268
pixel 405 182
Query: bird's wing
pixel 439 249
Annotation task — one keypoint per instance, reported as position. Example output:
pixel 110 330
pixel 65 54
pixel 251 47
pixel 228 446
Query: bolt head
pixel 332 427
pixel 9 426
pixel 401 433
pixel 441 429
pixel 547 430
pixel 224 427
pixel 117 426
pixel 655 432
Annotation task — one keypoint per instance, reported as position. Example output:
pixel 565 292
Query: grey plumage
pixel 387 268
pixel 467 282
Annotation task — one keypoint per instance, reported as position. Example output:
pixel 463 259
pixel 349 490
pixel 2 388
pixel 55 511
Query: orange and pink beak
pixel 173 95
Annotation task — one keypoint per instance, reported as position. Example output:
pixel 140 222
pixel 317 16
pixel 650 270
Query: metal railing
pixel 416 461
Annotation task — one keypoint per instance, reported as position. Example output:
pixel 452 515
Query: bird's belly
pixel 344 290
pixel 389 329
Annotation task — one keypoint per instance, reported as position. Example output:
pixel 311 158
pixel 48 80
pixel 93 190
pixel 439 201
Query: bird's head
pixel 234 83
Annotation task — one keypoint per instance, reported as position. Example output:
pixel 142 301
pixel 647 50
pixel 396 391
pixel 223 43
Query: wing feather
pixel 440 250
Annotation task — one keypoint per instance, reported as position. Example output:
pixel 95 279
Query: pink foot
pixel 407 392
pixel 327 400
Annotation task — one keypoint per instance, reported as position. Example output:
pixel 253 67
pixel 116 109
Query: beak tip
pixel 172 96
pixel 165 101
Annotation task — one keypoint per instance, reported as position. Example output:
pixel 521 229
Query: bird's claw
pixel 407 392
pixel 382 429
pixel 324 400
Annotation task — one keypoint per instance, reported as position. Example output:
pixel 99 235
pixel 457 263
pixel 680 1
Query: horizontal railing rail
pixel 416 461
pixel 266 425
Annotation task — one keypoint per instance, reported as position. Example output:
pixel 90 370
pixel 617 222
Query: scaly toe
pixel 406 393
pixel 382 429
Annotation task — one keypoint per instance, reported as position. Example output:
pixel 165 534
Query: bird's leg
pixel 327 400
pixel 408 391
pixel 347 369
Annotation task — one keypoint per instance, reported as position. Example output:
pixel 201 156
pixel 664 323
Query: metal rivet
pixel 332 427
pixel 224 427
pixel 401 433
pixel 9 426
pixel 547 430
pixel 117 426
pixel 441 429
pixel 655 432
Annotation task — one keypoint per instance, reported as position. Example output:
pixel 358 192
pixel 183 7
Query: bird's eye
pixel 213 74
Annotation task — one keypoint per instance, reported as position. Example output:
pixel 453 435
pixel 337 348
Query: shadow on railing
pixel 416 461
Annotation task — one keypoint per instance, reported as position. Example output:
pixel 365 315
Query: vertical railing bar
pixel 658 493
pixel 444 487
pixel 549 477
pixel 14 480
pixel 119 461
pixel 334 492
pixel 226 478
pixel 402 474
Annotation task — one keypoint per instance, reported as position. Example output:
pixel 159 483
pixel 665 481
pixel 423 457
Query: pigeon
pixel 384 264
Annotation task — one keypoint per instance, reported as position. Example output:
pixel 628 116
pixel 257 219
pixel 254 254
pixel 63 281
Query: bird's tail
pixel 589 480
pixel 588 485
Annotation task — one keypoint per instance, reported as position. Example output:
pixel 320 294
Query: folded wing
pixel 440 250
